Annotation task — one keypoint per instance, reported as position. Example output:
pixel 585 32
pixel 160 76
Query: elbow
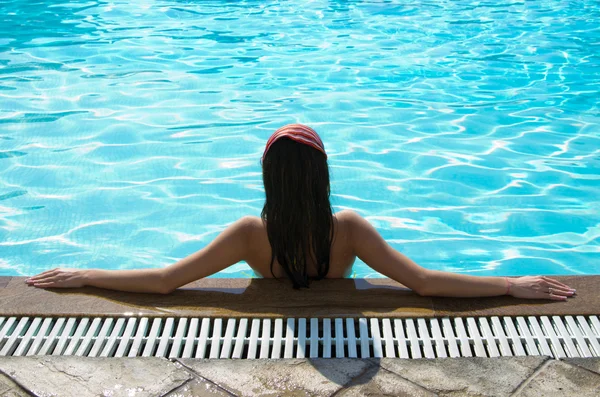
pixel 165 289
pixel 164 285
pixel 422 291
pixel 423 286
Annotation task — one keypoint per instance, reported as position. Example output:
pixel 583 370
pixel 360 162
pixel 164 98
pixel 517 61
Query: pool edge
pixel 267 298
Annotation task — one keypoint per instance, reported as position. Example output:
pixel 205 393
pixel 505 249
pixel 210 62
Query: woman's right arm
pixel 230 247
pixel 371 248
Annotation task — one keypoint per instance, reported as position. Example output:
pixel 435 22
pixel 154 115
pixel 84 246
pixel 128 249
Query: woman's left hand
pixel 58 278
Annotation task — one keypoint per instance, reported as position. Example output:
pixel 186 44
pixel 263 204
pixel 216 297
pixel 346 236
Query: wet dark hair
pixel 297 210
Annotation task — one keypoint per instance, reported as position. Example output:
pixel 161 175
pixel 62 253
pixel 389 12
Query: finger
pixel 539 294
pixel 555 288
pixel 555 291
pixel 51 279
pixel 561 287
pixel 43 274
pixel 552 294
pixel 549 286
pixel 46 285
pixel 558 284
pixel 42 278
pixel 557 297
pixel 555 282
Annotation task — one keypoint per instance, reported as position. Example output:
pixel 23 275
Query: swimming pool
pixel 467 133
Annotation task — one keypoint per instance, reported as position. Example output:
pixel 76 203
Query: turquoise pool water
pixel 466 132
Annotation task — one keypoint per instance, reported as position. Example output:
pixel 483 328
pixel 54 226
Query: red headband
pixel 299 133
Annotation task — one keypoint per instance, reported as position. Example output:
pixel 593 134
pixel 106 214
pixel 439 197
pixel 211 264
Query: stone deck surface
pixel 114 377
pixel 234 298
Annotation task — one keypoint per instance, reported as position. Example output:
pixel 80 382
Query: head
pixel 297 211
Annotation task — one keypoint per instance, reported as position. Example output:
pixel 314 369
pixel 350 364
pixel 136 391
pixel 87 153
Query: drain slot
pixel 555 336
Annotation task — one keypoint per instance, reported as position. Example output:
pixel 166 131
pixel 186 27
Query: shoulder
pixel 257 243
pixel 359 229
pixel 250 221
pixel 349 217
pixel 246 230
pixel 348 222
pixel 243 227
pixel 347 214
pixel 249 224
pixel 252 227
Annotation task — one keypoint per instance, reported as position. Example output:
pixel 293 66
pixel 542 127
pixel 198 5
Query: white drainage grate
pixel 556 336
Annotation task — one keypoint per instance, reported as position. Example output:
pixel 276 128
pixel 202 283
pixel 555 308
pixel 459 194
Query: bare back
pixel 247 240
pixel 340 261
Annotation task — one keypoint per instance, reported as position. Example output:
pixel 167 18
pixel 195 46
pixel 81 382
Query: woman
pixel 298 237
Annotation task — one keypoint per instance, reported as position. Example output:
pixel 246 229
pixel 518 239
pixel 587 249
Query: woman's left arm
pixel 230 247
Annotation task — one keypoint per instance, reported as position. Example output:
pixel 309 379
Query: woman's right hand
pixel 58 278
pixel 539 287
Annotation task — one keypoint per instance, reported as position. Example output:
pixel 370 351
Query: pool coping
pixel 267 298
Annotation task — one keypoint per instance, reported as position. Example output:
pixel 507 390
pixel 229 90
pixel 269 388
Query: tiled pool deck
pixel 75 376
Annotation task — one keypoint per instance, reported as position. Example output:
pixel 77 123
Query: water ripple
pixel 466 132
